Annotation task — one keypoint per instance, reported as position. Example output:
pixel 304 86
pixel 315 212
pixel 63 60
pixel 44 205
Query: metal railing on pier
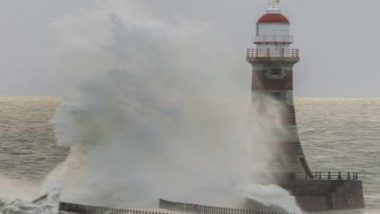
pixel 254 53
pixel 86 209
pixel 202 209
pixel 166 207
pixel 332 176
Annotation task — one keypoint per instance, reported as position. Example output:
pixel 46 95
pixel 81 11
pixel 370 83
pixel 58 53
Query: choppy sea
pixel 336 134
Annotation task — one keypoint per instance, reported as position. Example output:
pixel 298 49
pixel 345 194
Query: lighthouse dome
pixel 273 18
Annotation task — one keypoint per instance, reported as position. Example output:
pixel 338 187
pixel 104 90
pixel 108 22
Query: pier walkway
pixel 165 207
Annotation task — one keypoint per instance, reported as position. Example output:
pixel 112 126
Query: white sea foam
pixel 49 205
pixel 12 188
pixel 272 195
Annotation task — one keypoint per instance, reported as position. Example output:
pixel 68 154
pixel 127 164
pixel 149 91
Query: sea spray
pixel 16 197
pixel 12 188
pixel 49 204
pixel 154 150
pixel 162 116
pixel 271 196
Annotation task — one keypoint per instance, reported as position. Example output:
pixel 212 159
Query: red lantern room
pixel 273 33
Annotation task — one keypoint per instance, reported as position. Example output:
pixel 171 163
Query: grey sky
pixel 338 40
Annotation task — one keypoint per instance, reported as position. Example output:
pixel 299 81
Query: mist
pixel 161 117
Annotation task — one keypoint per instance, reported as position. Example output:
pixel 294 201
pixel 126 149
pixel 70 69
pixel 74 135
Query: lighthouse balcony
pixel 255 54
pixel 273 39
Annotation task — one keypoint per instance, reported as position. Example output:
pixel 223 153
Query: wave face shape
pixel 162 117
pixel 47 205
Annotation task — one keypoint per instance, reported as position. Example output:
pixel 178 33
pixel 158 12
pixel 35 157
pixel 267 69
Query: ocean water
pixel 343 135
pixel 336 134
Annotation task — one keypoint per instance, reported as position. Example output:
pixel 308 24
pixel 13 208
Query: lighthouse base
pixel 326 191
pixel 322 195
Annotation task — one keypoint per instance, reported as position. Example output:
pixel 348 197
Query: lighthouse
pixel 272 61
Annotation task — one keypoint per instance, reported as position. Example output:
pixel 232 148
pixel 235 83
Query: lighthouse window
pixel 275 73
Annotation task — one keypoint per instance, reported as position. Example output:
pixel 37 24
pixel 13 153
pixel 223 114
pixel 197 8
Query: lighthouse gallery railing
pixel 272 53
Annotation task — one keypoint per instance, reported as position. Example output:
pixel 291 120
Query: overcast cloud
pixel 338 40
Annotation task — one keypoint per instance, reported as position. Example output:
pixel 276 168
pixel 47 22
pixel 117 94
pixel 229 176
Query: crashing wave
pixel 47 204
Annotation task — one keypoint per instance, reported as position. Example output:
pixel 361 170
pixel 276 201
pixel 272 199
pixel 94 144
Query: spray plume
pixel 163 115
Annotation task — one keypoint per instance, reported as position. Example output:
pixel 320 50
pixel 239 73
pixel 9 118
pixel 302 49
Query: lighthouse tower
pixel 272 61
